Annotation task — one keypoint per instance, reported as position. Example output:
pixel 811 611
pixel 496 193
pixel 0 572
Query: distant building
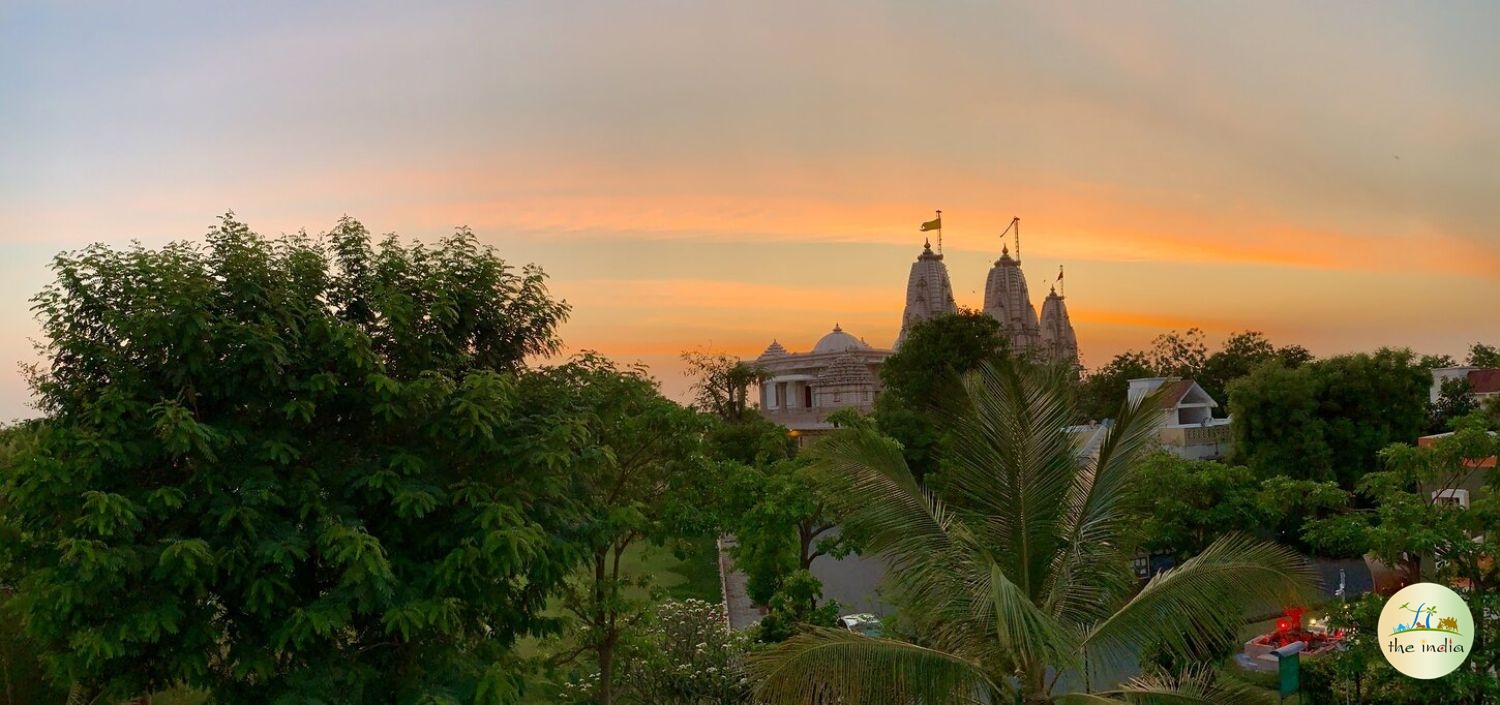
pixel 1188 427
pixel 802 389
pixel 843 371
pixel 1484 382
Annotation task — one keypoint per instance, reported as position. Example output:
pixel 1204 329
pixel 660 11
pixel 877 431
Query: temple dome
pixel 838 341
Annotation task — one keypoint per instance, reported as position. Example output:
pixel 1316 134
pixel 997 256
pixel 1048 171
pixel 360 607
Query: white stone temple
pixel 802 389
pixel 843 371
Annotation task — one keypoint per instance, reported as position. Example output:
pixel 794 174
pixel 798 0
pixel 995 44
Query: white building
pixel 1484 383
pixel 802 389
pixel 1187 425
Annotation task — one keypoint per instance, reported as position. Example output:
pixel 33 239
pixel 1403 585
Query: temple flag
pixel 934 224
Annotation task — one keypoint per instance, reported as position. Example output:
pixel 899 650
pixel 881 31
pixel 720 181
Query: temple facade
pixel 842 371
pixel 802 388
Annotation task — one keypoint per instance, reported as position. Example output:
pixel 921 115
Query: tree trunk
pixel 605 651
pixel 607 673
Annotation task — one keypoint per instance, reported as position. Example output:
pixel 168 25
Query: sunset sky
pixel 711 175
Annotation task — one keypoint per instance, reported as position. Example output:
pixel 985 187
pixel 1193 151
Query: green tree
pixel 1455 400
pixel 1312 517
pixel 639 459
pixel 1481 355
pixel 1277 429
pixel 22 678
pixel 783 520
pixel 1179 354
pixel 1415 520
pixel 721 385
pixel 925 371
pixel 1327 420
pixel 1240 354
pixel 1015 575
pixel 1102 392
pixel 1185 505
pixel 1368 401
pixel 1415 526
pixel 1429 362
pixel 291 470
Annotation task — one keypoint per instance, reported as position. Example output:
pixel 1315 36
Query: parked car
pixel 862 623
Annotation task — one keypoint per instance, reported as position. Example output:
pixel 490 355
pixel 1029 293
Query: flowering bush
pixel 684 654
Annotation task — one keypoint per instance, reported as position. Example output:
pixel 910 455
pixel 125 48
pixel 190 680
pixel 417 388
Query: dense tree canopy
pixel 1481 355
pixel 1185 505
pixel 924 372
pixel 292 470
pixel 1414 527
pixel 1326 420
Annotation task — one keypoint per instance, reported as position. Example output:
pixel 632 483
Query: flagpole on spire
pixel 935 224
pixel 1061 283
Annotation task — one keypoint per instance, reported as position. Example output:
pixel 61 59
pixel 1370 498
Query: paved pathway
pixel 742 614
pixel 853 581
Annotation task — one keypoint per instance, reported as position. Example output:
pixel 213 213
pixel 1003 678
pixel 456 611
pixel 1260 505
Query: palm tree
pixel 1013 575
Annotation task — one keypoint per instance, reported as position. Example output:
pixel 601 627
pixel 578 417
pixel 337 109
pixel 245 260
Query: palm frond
pixel 1201 603
pixel 1023 630
pixel 1089 576
pixel 900 518
pixel 1011 463
pixel 831 666
pixel 1201 686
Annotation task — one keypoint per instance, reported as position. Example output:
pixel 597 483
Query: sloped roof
pixel 1485 381
pixel 1174 392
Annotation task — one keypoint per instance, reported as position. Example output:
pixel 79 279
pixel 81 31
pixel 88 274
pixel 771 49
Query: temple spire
pixel 929 293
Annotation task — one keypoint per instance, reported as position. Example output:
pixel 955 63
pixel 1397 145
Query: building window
pixel 807 397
